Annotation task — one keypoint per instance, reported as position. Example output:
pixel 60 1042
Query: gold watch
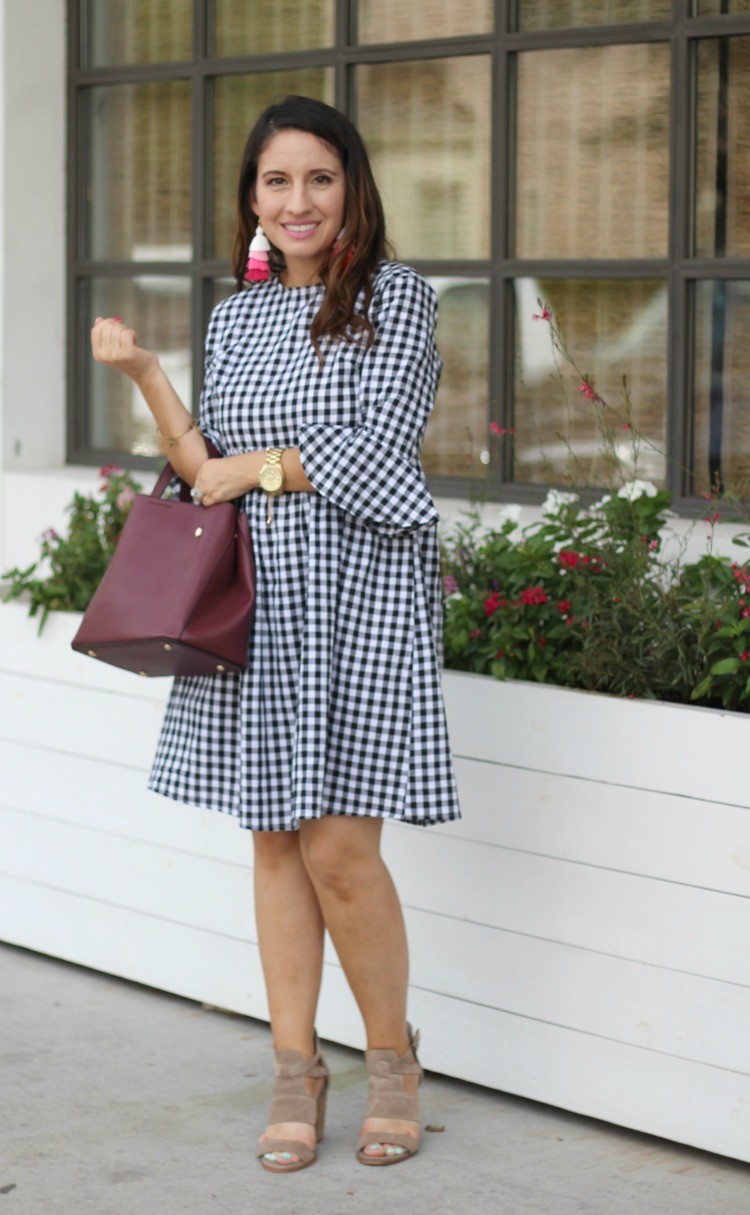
pixel 271 477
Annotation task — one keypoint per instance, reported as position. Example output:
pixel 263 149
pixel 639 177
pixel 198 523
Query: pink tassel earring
pixel 338 246
pixel 258 269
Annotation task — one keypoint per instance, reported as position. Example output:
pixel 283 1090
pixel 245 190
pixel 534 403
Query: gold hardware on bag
pixel 167 647
pixel 199 531
pixel 143 672
pixel 220 667
pixel 91 653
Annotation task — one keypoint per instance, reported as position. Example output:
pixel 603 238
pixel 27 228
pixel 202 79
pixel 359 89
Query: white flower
pixel 602 502
pixel 637 489
pixel 556 499
pixel 510 513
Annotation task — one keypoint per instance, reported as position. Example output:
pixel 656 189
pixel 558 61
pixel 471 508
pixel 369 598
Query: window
pixel 585 154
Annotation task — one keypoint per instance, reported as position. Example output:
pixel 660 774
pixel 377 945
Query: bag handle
pixel 168 473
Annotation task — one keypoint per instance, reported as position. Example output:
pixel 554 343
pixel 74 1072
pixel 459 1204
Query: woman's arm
pixel 371 470
pixel 219 480
pixel 224 480
pixel 116 346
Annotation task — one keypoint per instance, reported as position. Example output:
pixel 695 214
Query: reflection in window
pixel 612 329
pixel 140 172
pixel 239 102
pixel 554 14
pixel 394 21
pixel 266 26
pixel 721 416
pixel 159 309
pixel 591 159
pixel 137 31
pixel 722 188
pixel 457 430
pixel 427 128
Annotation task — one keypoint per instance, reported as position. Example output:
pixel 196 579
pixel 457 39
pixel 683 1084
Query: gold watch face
pixel 272 478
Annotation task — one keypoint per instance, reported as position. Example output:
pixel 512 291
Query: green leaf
pixel 703 688
pixel 726 666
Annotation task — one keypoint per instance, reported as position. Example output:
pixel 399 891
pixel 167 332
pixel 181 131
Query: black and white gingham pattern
pixel 340 710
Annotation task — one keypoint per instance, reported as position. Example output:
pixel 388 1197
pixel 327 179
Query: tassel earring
pixel 337 248
pixel 258 269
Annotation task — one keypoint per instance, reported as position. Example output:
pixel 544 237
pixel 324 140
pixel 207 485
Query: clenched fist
pixel 117 346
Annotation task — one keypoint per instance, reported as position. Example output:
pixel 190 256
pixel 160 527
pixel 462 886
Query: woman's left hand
pixel 222 480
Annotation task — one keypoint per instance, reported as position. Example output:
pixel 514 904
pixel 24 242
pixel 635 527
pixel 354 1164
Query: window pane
pixel 722 195
pixel 394 21
pixel 138 31
pixel 427 128
pixel 552 14
pixel 239 102
pixel 222 288
pixel 721 425
pixel 266 26
pixel 721 8
pixel 592 177
pixel 158 308
pixel 611 329
pixel 139 163
pixel 457 429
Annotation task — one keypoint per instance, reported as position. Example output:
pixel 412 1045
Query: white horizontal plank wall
pixel 580 938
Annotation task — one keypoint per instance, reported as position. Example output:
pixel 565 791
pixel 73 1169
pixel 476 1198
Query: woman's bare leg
pixel 363 916
pixel 290 936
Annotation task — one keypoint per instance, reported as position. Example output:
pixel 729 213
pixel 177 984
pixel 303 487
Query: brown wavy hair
pixel 364 243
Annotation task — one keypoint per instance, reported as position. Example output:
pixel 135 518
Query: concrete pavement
pixel 116 1099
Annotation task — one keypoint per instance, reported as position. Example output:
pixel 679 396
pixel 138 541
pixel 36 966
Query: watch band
pixel 272 477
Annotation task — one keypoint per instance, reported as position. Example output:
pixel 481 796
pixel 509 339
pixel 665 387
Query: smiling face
pixel 299 198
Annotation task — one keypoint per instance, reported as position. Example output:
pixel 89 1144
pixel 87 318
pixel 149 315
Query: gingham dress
pixel 340 709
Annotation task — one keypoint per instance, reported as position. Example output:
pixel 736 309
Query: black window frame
pixel 679 270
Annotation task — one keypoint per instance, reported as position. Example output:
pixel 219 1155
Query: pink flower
pixel 109 470
pixel 491 603
pixel 496 429
pixel 744 657
pixel 49 536
pixel 475 634
pixel 450 586
pixel 568 557
pixel 544 315
pixel 586 389
pixel 626 426
pixel 125 497
pixel 563 606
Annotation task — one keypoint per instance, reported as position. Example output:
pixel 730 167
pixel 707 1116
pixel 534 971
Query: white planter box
pixel 581 938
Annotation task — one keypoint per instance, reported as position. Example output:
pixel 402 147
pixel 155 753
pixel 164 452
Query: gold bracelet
pixel 168 441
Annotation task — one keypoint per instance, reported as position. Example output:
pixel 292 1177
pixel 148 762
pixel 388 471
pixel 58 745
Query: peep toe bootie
pixel 388 1099
pixel 292 1103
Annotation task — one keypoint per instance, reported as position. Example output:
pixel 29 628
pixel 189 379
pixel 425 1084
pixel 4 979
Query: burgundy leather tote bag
pixel 179 593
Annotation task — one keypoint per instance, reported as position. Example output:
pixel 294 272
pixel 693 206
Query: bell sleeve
pixel 206 413
pixel 371 470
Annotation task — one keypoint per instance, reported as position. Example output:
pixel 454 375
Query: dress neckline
pixel 309 288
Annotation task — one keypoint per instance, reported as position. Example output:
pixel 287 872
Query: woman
pixel 319 380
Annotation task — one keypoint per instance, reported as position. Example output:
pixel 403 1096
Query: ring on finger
pixel 196 494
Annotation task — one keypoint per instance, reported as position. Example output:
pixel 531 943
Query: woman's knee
pixel 340 853
pixel 276 849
